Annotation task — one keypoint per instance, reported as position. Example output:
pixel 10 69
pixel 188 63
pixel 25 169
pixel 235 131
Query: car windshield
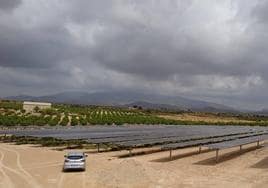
pixel 74 157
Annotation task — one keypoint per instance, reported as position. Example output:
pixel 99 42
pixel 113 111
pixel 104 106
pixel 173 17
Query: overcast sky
pixel 214 50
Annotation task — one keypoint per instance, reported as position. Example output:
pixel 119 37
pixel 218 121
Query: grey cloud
pixel 34 48
pixel 260 12
pixel 8 5
pixel 156 53
pixel 81 11
pixel 214 50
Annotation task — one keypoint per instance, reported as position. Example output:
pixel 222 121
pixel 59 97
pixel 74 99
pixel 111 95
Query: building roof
pixel 36 103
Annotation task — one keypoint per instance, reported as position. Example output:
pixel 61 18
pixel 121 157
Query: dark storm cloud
pixel 260 12
pixel 8 5
pixel 35 48
pixel 160 52
pixel 211 49
pixel 157 55
pixel 87 11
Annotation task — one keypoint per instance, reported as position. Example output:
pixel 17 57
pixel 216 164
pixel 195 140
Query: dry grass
pixel 205 117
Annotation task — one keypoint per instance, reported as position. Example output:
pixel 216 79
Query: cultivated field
pixel 26 166
pixel 12 114
pixel 205 117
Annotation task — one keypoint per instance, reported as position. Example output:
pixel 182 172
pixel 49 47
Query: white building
pixel 31 106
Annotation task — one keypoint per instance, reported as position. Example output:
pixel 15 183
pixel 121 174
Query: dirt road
pixel 26 166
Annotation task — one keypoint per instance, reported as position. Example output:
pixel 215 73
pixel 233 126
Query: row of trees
pixel 93 118
pixel 14 105
pixel 89 115
pixel 119 118
pixel 28 120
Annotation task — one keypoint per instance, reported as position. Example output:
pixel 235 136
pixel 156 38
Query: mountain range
pixel 152 101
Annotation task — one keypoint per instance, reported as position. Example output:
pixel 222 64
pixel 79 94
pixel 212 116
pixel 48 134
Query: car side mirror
pixel 86 155
pixel 65 156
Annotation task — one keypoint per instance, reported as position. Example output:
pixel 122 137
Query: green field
pixel 12 114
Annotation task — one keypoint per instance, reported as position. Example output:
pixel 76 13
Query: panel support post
pixel 240 148
pixel 98 146
pixel 258 143
pixel 170 153
pixel 199 151
pixel 130 152
pixel 217 155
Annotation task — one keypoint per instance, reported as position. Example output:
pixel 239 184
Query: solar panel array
pixel 146 136
pixel 139 135
pixel 164 140
pixel 209 141
pixel 237 142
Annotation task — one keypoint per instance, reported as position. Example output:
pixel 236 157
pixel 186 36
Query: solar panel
pixel 134 135
pixel 237 142
pixel 146 142
pixel 206 141
pixel 162 134
pixel 147 137
pixel 152 135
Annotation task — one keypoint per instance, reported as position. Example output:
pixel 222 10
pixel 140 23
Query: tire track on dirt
pixel 60 182
pixel 24 174
pixel 7 181
pixel 44 166
pixel 41 164
pixel 84 180
pixel 17 173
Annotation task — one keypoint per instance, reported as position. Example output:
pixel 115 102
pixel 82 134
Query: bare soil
pixel 26 166
pixel 203 117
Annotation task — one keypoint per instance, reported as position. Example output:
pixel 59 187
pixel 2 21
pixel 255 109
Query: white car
pixel 75 161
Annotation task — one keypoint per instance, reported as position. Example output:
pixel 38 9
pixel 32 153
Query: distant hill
pixel 263 112
pixel 147 105
pixel 129 98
